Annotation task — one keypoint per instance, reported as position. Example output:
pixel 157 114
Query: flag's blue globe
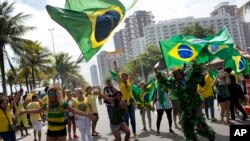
pixel 241 64
pixel 214 48
pixel 185 51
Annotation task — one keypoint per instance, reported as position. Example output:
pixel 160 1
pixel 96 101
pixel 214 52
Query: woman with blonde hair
pixel 221 83
pixel 56 120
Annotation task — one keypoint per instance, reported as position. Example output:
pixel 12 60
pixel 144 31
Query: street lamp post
pixel 51 30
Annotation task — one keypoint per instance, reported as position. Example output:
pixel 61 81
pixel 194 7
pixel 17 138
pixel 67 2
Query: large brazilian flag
pixel 90 22
pixel 177 50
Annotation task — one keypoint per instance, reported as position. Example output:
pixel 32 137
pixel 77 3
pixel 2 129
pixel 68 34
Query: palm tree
pixel 63 65
pixel 11 30
pixel 10 79
pixel 38 58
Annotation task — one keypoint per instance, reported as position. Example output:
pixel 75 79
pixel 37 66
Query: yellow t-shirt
pixel 4 122
pixel 207 90
pixel 92 101
pixel 82 105
pixel 31 106
pixel 45 99
pixel 126 91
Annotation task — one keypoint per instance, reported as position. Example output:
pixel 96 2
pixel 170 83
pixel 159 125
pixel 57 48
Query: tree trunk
pixel 33 77
pixel 2 69
pixel 62 79
pixel 11 90
pixel 27 83
pixel 31 88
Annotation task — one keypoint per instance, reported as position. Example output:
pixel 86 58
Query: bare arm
pixel 78 112
pixel 215 81
pixel 75 111
pixel 124 106
pixel 16 98
pixel 35 111
pixel 154 100
pixel 110 100
pixel 227 79
pixel 117 73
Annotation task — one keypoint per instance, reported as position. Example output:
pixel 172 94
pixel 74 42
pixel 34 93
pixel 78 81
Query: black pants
pixel 235 102
pixel 159 117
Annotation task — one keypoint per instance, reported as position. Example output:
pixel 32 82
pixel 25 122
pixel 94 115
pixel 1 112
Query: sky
pixel 161 9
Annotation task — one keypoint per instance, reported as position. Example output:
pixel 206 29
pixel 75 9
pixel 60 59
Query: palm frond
pixel 9 9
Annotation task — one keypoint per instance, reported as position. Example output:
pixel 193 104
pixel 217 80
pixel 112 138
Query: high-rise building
pixel 105 63
pixel 94 75
pixel 119 40
pixel 133 29
pixel 138 46
pixel 224 8
pixel 165 29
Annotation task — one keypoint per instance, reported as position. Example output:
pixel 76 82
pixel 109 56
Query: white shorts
pixel 37 125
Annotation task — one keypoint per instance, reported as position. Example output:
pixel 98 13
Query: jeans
pixel 130 114
pixel 8 136
pixel 209 103
pixel 109 109
pixel 143 116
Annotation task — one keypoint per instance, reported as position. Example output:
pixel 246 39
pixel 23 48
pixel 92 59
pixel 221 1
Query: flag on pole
pixel 177 51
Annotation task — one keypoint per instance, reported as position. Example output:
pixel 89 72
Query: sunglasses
pixel 52 94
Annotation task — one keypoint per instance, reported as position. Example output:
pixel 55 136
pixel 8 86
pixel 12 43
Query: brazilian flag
pixel 90 22
pixel 177 50
pixel 237 63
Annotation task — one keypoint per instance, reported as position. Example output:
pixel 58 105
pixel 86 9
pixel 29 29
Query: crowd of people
pixel 77 108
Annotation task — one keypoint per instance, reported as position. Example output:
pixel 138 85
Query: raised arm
pixel 17 96
pixel 117 73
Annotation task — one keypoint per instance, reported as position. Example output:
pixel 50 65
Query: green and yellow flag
pixel 177 50
pixel 237 63
pixel 90 22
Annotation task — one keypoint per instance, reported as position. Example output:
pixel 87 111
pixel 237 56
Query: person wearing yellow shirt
pixel 145 106
pixel 82 123
pixel 6 130
pixel 23 122
pixel 56 120
pixel 91 95
pixel 35 119
pixel 206 90
pixel 125 82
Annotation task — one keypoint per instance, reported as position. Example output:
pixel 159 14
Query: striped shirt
pixel 56 120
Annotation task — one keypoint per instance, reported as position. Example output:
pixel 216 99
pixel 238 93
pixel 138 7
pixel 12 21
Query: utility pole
pixel 51 30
